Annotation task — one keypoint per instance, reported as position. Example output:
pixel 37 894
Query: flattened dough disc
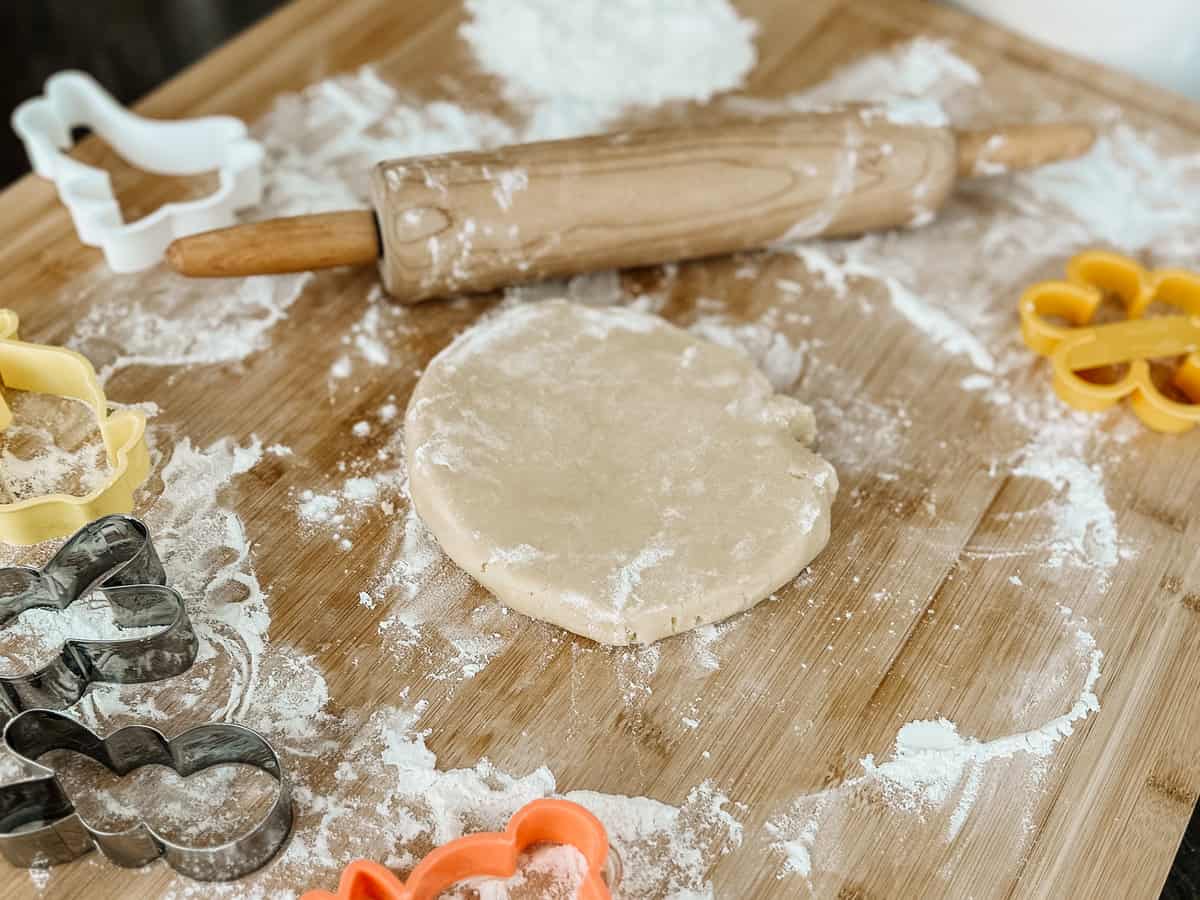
pixel 605 471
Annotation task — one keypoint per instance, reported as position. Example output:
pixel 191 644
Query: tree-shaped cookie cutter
pixel 56 370
pixel 1078 346
pixel 114 554
pixel 179 147
pixel 39 826
pixel 492 854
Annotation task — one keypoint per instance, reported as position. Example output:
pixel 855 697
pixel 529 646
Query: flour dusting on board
pixel 204 548
pixel 157 319
pixel 393 804
pixel 908 85
pixel 923 68
pixel 388 801
pixel 1124 193
pixel 949 297
pixel 932 766
pixel 931 759
pixel 1083 524
pixel 766 340
pixel 949 307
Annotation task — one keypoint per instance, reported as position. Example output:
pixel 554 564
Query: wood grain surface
pixel 926 540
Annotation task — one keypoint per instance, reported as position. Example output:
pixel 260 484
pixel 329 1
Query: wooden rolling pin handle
pixel 296 244
pixel 993 150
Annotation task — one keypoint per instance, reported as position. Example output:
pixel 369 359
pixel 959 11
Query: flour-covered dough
pixel 605 471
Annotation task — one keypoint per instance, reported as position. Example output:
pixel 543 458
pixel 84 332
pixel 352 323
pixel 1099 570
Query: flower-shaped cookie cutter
pixel 39 826
pixel 56 370
pixel 116 555
pixel 1078 346
pixel 492 854
pixel 179 147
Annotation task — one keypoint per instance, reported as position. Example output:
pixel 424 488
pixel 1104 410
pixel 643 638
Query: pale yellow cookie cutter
pixel 65 373
pixel 1079 346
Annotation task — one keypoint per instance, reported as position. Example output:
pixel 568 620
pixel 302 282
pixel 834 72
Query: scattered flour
pixel 923 68
pixel 930 765
pixel 238 675
pixel 666 850
pixel 703 642
pixel 931 758
pixel 938 325
pixel 154 318
pixel 318 507
pixel 907 84
pixel 427 595
pixel 389 801
pixel 375 337
pixel 1084 526
pixel 866 258
pixel 772 352
pixel 1123 193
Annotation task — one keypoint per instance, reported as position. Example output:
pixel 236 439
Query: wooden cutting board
pixel 911 613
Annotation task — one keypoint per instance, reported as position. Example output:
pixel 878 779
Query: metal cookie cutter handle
pixel 487 854
pixel 1077 346
pixel 57 370
pixel 27 806
pixel 115 554
pixel 180 147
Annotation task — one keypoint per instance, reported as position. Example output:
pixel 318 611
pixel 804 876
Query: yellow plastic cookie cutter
pixel 57 370
pixel 1077 347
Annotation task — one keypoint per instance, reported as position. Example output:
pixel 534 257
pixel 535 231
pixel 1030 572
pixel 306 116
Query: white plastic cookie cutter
pixel 179 147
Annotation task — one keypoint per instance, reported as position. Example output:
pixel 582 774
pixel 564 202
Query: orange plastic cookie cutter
pixel 1077 347
pixel 488 854
pixel 56 370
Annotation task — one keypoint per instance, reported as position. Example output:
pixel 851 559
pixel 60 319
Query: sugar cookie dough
pixel 605 471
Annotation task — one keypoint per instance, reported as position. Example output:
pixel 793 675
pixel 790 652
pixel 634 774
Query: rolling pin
pixel 467 222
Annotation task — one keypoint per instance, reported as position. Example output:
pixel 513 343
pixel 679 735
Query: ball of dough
pixel 608 472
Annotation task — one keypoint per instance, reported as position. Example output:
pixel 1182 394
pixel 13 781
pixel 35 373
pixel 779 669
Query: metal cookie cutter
pixel 490 854
pixel 1077 347
pixel 180 147
pixel 39 826
pixel 56 370
pixel 116 555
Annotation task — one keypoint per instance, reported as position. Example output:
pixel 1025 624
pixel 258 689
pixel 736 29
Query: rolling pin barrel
pixel 477 221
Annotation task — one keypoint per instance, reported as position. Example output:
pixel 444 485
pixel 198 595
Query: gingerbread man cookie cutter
pixel 114 554
pixel 492 854
pixel 1079 346
pixel 56 370
pixel 39 826
pixel 178 147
